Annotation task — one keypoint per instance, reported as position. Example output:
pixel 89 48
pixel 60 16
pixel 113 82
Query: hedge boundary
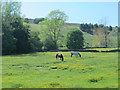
pixel 82 50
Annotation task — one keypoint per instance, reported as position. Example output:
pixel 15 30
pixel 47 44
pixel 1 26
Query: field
pixel 42 70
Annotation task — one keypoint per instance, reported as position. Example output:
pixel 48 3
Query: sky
pixel 78 12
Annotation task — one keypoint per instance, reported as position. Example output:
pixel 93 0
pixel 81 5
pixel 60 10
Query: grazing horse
pixel 75 53
pixel 60 56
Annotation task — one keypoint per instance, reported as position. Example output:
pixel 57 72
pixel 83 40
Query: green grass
pixel 42 70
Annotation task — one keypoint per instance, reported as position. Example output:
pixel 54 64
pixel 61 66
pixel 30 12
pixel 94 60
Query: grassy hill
pixel 68 27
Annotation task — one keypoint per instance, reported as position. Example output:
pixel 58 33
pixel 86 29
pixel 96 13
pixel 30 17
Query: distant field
pixel 42 70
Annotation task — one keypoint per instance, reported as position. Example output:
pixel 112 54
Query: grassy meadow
pixel 42 70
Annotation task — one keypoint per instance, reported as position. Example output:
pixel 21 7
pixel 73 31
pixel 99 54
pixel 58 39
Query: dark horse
pixel 60 56
pixel 75 53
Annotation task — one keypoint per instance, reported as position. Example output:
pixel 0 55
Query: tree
pixel 75 39
pixel 9 11
pixel 102 37
pixel 15 33
pixel 110 28
pixel 26 20
pixel 8 40
pixel 82 27
pixel 87 28
pixel 53 25
pixel 99 37
pixel 49 44
pixel 35 41
pixel 37 20
pixel 95 26
pixel 21 33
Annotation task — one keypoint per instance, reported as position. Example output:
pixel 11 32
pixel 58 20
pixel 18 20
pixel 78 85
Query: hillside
pixel 68 27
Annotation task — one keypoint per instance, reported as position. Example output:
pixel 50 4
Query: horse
pixel 75 53
pixel 60 56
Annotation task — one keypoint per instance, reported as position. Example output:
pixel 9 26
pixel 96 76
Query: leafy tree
pixel 9 11
pixel 21 33
pixel 75 40
pixel 102 37
pixel 87 28
pixel 110 28
pixel 8 40
pixel 15 33
pixel 53 25
pixel 95 26
pixel 99 37
pixel 82 27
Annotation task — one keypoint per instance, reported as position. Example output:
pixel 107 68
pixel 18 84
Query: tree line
pixel 33 21
pixel 90 28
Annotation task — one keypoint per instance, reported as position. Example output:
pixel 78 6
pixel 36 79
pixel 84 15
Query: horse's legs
pixel 79 54
pixel 62 59
pixel 71 55
pixel 56 56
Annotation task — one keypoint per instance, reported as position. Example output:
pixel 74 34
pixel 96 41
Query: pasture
pixel 42 70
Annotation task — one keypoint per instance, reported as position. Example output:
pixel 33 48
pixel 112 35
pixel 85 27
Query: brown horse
pixel 59 56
